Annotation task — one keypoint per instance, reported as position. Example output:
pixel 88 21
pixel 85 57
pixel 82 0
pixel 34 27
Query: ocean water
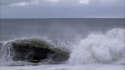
pixel 78 43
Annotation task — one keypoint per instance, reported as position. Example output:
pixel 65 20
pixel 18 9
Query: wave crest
pixel 99 48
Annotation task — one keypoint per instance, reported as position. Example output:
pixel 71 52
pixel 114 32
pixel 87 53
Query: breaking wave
pixel 96 48
pixel 100 48
pixel 22 50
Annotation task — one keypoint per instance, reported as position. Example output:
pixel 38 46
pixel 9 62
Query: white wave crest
pixel 99 48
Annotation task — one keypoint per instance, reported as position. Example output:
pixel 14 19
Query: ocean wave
pixel 100 48
pixel 96 48
pixel 22 49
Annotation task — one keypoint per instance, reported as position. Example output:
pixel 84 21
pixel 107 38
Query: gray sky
pixel 62 9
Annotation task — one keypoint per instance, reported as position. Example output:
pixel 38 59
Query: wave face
pixel 100 48
pixel 22 50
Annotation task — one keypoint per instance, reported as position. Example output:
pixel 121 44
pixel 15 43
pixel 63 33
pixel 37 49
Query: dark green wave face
pixel 0 45
pixel 24 49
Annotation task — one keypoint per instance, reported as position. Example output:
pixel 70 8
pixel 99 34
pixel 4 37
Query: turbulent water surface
pixel 70 41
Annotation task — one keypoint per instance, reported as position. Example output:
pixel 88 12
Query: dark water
pixel 64 29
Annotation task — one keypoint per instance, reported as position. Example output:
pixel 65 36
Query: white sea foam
pixel 66 67
pixel 100 48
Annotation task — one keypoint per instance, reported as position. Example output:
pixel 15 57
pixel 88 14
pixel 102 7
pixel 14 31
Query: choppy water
pixel 74 41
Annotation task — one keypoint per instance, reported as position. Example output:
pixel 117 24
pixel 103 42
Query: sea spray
pixel 100 48
pixel 5 53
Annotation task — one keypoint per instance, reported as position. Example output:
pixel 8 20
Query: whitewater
pixel 95 51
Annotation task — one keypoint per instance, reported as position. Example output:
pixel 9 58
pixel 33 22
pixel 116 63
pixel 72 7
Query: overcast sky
pixel 62 9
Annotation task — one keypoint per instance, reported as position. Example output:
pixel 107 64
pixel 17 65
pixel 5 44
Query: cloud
pixel 20 4
pixel 34 2
pixel 84 1
pixel 25 3
pixel 53 0
pixel 62 2
pixel 62 8
pixel 9 2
